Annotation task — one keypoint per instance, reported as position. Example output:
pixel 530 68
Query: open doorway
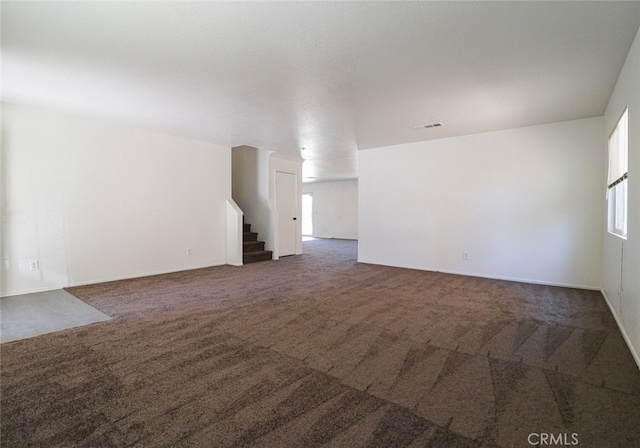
pixel 307 214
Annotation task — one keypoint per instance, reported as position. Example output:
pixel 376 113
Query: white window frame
pixel 618 177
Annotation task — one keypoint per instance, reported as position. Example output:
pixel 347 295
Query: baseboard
pixel 106 280
pixel 493 277
pixel 636 358
pixel 150 274
pixel 529 281
pixel 32 291
pixel 333 238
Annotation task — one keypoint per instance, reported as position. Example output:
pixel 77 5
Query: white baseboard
pixel 525 280
pixel 105 280
pixel 492 277
pixel 636 358
pixel 32 291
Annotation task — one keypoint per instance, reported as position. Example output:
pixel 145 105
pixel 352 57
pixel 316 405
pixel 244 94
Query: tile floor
pixel 29 315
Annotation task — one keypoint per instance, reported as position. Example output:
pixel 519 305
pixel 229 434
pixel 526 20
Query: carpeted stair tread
pixel 256 256
pixel 249 236
pixel 252 246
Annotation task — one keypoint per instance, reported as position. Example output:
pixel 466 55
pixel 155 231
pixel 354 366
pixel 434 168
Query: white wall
pixel 234 233
pixel 335 208
pixel 525 204
pixel 622 258
pixel 94 200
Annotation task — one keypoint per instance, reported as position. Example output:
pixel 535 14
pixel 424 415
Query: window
pixel 617 180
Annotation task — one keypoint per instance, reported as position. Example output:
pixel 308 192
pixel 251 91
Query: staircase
pixel 252 249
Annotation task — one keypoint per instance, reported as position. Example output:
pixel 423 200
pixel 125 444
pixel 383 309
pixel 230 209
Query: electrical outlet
pixel 465 256
pixel 189 251
pixel 34 265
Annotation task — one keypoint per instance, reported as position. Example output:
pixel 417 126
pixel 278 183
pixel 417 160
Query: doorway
pixel 307 214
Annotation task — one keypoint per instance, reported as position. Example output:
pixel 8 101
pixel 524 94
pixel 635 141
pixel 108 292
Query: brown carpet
pixel 319 350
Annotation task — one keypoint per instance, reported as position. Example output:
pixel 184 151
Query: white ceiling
pixel 332 77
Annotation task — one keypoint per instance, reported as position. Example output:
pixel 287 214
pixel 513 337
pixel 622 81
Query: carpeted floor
pixel 319 350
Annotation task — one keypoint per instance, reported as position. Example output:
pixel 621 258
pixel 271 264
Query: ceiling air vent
pixel 428 126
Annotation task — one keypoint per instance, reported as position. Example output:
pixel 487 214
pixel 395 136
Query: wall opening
pixel 307 214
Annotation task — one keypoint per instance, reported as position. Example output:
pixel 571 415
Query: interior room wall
pixel 87 200
pixel 621 268
pixel 335 208
pixel 522 204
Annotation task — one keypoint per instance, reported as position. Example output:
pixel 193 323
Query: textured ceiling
pixel 330 77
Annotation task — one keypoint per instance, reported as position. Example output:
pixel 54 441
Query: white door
pixel 286 205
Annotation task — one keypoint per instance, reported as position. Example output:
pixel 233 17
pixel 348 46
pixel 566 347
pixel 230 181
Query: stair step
pixel 252 246
pixel 250 236
pixel 252 249
pixel 253 257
